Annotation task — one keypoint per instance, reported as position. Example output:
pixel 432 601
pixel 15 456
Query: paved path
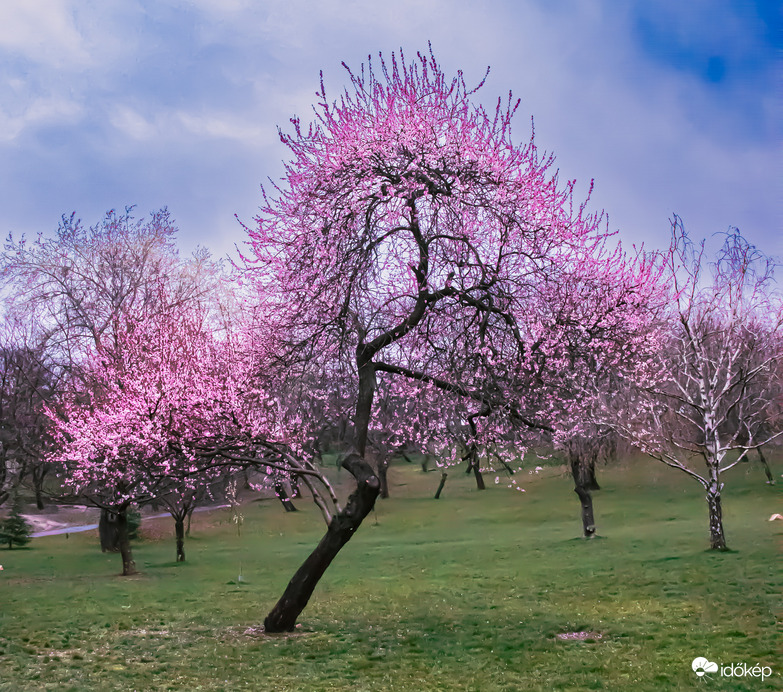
pixel 90 527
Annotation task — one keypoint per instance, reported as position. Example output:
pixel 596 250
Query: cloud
pixel 40 112
pixel 43 31
pixel 135 101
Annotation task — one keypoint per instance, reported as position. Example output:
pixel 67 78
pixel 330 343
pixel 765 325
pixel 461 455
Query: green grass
pixel 465 593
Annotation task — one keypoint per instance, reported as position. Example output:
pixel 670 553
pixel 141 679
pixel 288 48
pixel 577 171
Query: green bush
pixel 15 529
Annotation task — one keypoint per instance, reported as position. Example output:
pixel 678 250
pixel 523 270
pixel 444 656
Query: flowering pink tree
pixel 172 411
pixel 705 396
pixel 412 238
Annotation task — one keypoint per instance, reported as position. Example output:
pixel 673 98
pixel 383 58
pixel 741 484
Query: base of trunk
pixel 282 618
pixel 588 521
pixel 717 537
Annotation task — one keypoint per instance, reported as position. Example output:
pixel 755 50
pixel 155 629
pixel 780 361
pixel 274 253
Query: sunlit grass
pixel 465 593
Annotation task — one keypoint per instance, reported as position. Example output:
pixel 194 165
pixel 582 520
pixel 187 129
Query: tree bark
pixel 282 495
pixel 583 472
pixel 39 474
pixel 383 476
pixel 767 470
pixel 113 532
pixel 443 478
pixel 717 537
pixel 588 521
pixel 108 531
pixel 123 544
pixel 282 618
pixel 478 475
pixel 179 530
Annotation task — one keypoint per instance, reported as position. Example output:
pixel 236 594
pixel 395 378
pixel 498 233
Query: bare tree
pixel 702 401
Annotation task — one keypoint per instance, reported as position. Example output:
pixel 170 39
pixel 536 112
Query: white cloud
pixel 131 123
pixel 224 126
pixel 43 31
pixel 41 111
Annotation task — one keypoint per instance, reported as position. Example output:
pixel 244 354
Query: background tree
pixel 28 382
pixel 702 402
pixel 83 290
pixel 14 529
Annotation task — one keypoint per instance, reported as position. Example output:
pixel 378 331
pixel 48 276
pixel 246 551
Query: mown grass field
pixel 465 593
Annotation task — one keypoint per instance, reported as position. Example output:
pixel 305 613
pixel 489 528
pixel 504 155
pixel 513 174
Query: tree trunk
pixel 123 544
pixel 583 472
pixel 383 476
pixel 478 476
pixel 473 465
pixel 108 531
pixel 588 522
pixel 590 481
pixel 282 495
pixel 767 470
pixel 443 478
pixel 179 530
pixel 717 538
pixel 296 491
pixel 38 481
pixel 283 616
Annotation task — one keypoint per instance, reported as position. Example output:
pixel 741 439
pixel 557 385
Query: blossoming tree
pixel 412 238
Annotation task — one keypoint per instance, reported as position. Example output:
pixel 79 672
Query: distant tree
pixel 28 382
pixel 704 399
pixel 15 529
pixel 83 291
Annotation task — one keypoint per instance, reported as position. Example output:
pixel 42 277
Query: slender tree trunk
pixel 473 465
pixel 123 543
pixel 179 530
pixel 283 616
pixel 717 538
pixel 767 470
pixel 190 517
pixel 443 477
pixel 383 475
pixel 38 482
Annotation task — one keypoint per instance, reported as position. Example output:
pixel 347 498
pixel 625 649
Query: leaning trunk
pixel 443 477
pixel 586 499
pixel 282 495
pixel 283 616
pixel 767 470
pixel 473 465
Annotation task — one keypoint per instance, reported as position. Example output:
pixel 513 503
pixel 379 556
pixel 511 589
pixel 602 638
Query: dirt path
pixel 46 526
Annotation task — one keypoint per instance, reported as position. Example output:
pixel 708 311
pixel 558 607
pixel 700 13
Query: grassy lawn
pixel 465 593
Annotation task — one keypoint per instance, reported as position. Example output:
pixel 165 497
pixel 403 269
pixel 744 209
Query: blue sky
pixel 670 106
